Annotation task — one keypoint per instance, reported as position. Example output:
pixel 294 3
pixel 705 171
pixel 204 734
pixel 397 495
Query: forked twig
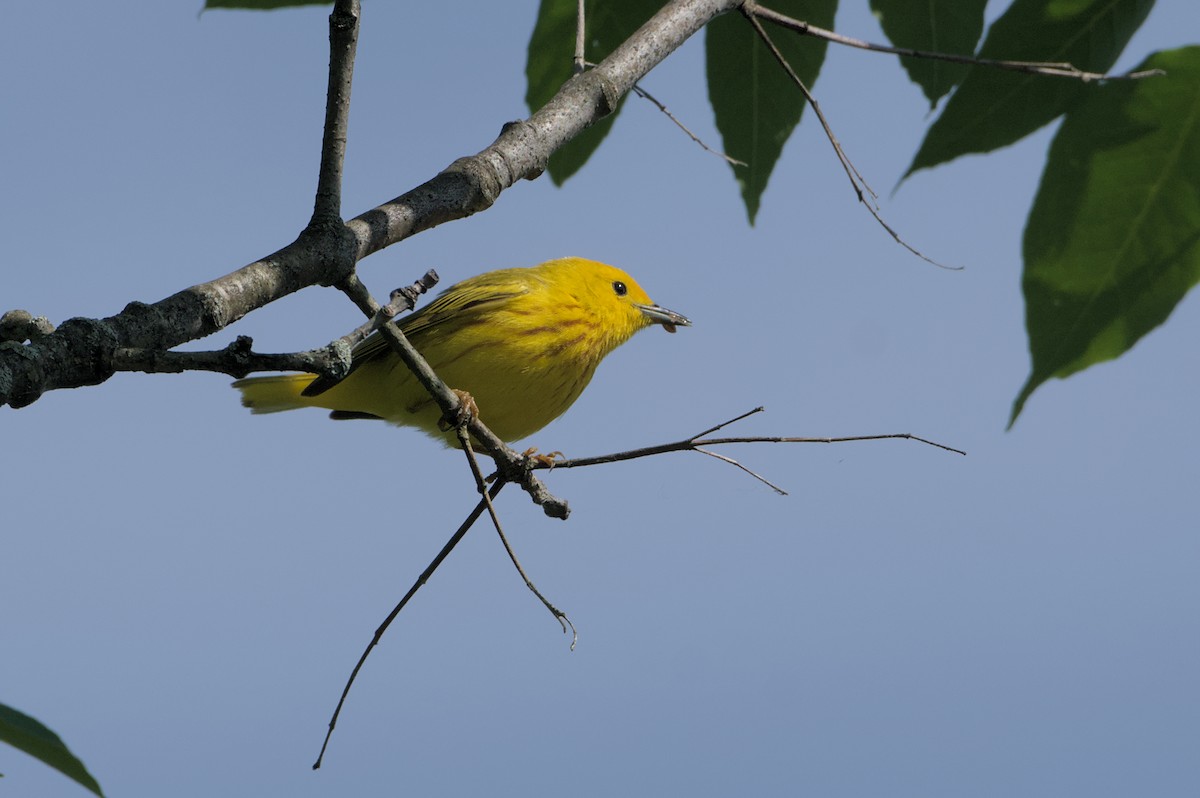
pixel 485 503
pixel 357 292
pixel 698 442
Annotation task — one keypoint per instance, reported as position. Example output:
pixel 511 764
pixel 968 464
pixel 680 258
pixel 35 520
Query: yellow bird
pixel 523 343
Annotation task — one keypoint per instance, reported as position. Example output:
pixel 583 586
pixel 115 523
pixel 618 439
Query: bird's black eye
pixel 619 288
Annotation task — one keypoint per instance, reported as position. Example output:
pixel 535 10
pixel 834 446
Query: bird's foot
pixel 467 410
pixel 543 460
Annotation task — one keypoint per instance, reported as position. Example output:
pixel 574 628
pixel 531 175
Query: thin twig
pixel 236 360
pixel 725 424
pixel 421 580
pixel 353 288
pixel 689 444
pixel 1048 68
pixel 343 43
pixel 645 95
pixel 580 38
pixel 901 436
pixel 465 442
pixel 732 462
pixel 856 180
pixel 696 443
pixel 401 300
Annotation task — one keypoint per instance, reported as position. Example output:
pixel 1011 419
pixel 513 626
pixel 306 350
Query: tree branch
pixel 80 351
pixel 692 443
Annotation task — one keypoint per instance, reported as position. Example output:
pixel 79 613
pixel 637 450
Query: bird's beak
pixel 669 319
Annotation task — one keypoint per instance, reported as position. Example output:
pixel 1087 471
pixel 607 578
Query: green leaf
pixel 1113 239
pixel 551 60
pixel 993 108
pixel 940 26
pixel 262 5
pixel 26 734
pixel 756 104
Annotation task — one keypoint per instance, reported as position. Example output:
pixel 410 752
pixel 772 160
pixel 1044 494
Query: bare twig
pixel 901 436
pixel 236 360
pixel 735 463
pixel 695 443
pixel 465 442
pixel 580 37
pixel 1048 68
pixel 421 580
pixel 698 442
pixel 645 95
pixel 401 300
pixel 353 288
pixel 343 43
pixel 78 353
pixel 487 495
pixel 734 420
pixel 861 189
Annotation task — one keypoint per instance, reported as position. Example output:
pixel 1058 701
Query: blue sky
pixel 187 586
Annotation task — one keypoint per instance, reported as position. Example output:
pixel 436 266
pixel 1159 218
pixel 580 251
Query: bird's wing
pixel 456 306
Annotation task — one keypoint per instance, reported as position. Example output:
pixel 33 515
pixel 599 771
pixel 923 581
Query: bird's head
pixel 617 305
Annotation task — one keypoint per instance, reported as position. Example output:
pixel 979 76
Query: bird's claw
pixel 544 460
pixel 467 410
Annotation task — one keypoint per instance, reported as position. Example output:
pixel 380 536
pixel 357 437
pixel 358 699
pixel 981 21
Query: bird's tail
pixel 276 393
